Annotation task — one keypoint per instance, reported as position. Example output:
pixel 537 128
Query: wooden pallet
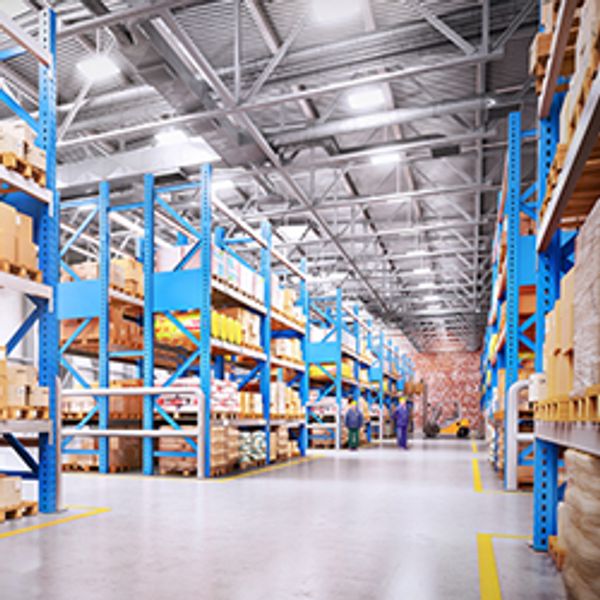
pixel 218 415
pixel 322 444
pixel 221 470
pixel 94 467
pixel 557 552
pixel 255 464
pixel 184 472
pixel 20 271
pixel 24 412
pixel 15 163
pixel 25 508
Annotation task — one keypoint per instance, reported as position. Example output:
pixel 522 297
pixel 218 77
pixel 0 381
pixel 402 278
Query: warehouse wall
pixel 451 377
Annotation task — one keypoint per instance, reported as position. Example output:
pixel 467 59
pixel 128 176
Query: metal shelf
pixel 282 322
pixel 13 181
pixel 581 436
pixel 282 363
pixel 580 148
pixel 220 290
pixel 26 426
pixel 25 286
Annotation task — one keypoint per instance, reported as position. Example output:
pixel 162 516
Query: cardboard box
pixel 36 157
pixel 566 320
pixel 26 252
pixel 39 397
pixel 10 491
pixel 563 380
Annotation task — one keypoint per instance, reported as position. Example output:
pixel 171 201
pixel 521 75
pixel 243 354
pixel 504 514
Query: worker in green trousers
pixel 354 421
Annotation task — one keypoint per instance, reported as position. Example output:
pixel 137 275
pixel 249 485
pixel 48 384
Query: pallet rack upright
pixel 509 344
pixel 42 205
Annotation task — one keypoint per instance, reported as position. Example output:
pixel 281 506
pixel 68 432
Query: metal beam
pixel 381 119
pixel 269 101
pixel 443 28
pixel 172 31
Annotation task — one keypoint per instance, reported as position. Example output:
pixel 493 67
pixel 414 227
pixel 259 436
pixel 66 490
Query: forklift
pixel 456 426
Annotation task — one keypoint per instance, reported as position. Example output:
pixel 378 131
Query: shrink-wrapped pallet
pixel 580 526
pixel 586 310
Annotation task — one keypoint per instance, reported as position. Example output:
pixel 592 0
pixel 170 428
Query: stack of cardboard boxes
pixel 287 348
pixel 124 454
pixel 19 390
pixel 17 141
pixel 251 404
pixel 16 239
pixel 10 492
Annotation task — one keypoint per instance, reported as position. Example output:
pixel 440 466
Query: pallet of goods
pixel 120 407
pixel 124 454
pixel 289 349
pixel 20 395
pixel 253 449
pixel 19 153
pixel 579 525
pixel 586 59
pixel 12 505
pixel 18 251
pixel 284 301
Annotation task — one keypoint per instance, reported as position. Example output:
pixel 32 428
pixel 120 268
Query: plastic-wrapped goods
pixel 253 447
pixel 580 526
pixel 586 312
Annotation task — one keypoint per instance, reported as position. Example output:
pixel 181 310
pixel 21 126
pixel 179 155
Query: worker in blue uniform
pixel 401 418
pixel 354 421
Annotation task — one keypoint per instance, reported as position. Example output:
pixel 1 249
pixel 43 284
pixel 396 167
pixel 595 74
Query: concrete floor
pixel 377 524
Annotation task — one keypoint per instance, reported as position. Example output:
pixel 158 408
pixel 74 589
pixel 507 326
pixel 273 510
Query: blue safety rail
pixel 510 344
pixel 40 203
pixel 85 303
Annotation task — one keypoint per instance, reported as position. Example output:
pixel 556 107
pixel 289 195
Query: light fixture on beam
pixel 330 12
pixel 170 137
pixel 390 158
pixel 98 68
pixel 366 99
pixel 422 271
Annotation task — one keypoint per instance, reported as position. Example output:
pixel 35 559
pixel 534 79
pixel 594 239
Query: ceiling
pixel 371 133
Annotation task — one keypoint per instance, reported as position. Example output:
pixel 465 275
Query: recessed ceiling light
pixel 416 253
pixel 385 159
pixel 98 67
pixel 422 271
pixel 170 137
pixel 223 184
pixel 366 98
pixel 431 298
pixel 328 12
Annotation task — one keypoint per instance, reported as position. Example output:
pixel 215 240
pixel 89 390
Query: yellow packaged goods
pixel 10 491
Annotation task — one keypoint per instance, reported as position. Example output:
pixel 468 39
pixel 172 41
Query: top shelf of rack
pixel 24 40
pixel 582 144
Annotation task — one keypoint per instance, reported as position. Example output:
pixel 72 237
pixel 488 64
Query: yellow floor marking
pixel 92 512
pixel 474 446
pixel 262 470
pixel 477 485
pixel 489 583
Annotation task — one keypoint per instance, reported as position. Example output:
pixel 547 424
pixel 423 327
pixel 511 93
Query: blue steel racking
pixel 182 290
pixel 41 204
pixel 516 339
pixel 555 253
pixel 386 370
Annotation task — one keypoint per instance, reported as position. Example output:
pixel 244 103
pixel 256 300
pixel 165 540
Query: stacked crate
pixel 18 251
pixel 124 454
pixel 20 394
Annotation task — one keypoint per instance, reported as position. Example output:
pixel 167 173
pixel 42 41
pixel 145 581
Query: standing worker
pixel 401 418
pixel 354 421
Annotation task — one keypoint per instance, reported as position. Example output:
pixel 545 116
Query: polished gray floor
pixel 379 523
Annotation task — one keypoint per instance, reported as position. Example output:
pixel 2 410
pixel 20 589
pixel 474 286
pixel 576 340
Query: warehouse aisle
pixel 378 524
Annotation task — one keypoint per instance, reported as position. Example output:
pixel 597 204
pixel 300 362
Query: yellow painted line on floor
pixel 489 583
pixel 262 470
pixel 477 485
pixel 474 446
pixel 90 512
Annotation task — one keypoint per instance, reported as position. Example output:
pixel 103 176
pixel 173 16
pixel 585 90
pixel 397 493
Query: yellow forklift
pixel 456 426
